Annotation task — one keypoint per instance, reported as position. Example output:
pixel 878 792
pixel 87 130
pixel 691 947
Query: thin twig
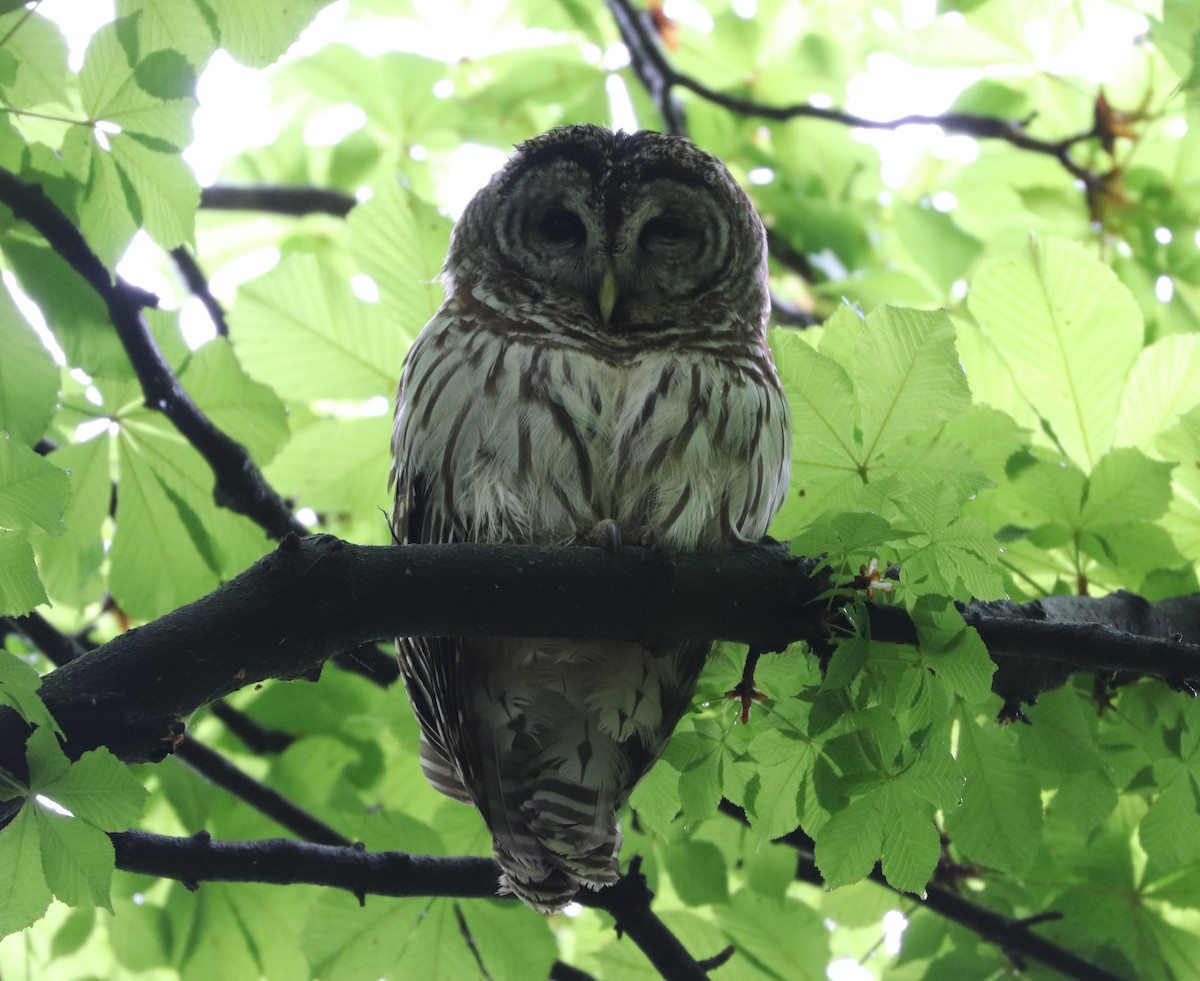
pixel 660 78
pixel 196 281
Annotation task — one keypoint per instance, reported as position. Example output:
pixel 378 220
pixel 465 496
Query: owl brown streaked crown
pixel 600 361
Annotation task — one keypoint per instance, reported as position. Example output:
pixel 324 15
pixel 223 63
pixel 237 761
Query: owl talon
pixel 607 535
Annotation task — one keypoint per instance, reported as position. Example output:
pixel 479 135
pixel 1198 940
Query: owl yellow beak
pixel 608 294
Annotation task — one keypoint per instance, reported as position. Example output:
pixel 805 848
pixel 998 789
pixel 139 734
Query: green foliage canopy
pixel 1000 397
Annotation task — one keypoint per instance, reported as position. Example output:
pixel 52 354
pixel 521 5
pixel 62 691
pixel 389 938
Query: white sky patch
pixel 247 266
pixel 195 324
pixel 91 429
pixel 307 517
pixel 620 106
pixel 1163 236
pixel 894 925
pixel 572 909
pixel 142 266
pixel 848 969
pixel 377 405
pixel 234 114
pixel 78 20
pixel 330 126
pixel 33 315
pixel 689 13
pixel 365 288
pixel 1164 289
pixel 470 167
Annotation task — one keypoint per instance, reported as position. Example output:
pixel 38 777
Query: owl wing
pixel 428 664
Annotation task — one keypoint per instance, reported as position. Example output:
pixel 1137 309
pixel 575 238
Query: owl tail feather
pixel 551 848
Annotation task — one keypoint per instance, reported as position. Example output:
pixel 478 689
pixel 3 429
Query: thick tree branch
pixel 283 862
pixel 660 79
pixel 314 597
pixel 239 484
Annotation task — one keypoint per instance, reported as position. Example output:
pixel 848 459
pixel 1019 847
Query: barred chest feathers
pixel 559 439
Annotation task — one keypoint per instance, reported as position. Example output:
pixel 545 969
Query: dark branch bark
pixel 282 862
pixel 214 767
pixel 239 484
pixel 196 281
pixel 295 201
pixel 312 598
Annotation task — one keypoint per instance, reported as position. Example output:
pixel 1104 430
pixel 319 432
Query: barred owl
pixel 599 368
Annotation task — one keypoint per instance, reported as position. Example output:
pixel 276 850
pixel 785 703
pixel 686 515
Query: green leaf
pixel 76 315
pixel 33 492
pixel 110 213
pixel 28 377
pixel 178 25
pixel 302 330
pixel 953 650
pixel 70 563
pixel 656 798
pixel 911 844
pixel 256 35
pixel 948 554
pixel 345 942
pixel 165 186
pixel 999 824
pixel 400 241
pixel 110 92
pixel 785 760
pixel 511 945
pixel 150 533
pixel 757 926
pixel 907 376
pixel 239 406
pixel 1044 308
pixel 1160 389
pixel 166 74
pixel 39 60
pixel 100 789
pixel 850 842
pixel 77 859
pixel 24 895
pixel 697 870
pixel 19 685
pixel 1125 486
pixel 47 762
pixel 20 588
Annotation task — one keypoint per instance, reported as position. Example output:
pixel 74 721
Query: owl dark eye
pixel 562 227
pixel 664 230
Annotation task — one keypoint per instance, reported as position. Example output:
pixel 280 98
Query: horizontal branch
pixel 314 597
pixel 284 862
pixel 294 201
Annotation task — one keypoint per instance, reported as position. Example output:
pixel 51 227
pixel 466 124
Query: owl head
pixel 616 234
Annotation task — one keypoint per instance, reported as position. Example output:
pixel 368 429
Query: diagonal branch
pixel 239 484
pixel 1012 936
